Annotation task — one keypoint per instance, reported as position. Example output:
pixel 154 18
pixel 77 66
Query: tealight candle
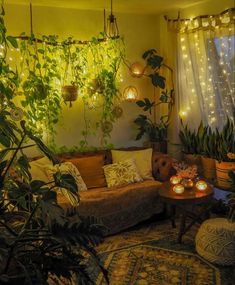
pixel 178 188
pixel 175 179
pixel 201 185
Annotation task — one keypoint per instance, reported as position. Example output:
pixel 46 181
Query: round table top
pixel 189 196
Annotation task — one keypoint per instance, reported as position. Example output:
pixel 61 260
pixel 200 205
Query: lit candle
pixel 201 185
pixel 175 179
pixel 178 188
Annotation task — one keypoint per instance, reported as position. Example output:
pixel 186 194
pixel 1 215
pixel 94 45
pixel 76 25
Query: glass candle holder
pixel 187 183
pixel 175 179
pixel 201 185
pixel 178 189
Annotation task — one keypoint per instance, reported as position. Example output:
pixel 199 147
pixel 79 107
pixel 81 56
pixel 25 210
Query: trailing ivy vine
pixel 40 73
pixel 45 65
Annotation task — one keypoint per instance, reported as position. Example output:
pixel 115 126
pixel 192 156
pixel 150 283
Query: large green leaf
pixel 157 80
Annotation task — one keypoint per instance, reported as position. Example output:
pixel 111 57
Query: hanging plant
pixel 71 70
pixel 52 71
pixel 69 93
pixel 42 99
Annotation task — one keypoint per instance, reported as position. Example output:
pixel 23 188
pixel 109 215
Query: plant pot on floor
pixel 222 169
pixel 208 167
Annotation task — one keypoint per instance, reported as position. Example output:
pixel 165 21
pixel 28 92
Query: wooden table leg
pixel 172 215
pixel 182 226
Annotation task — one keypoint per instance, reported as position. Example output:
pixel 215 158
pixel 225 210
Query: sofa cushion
pixel 91 169
pixel 121 173
pixel 62 193
pixel 143 159
pixel 38 168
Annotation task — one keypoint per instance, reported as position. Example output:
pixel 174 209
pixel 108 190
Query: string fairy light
pixel 215 79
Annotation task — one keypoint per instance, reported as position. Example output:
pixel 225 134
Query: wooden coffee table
pixel 184 203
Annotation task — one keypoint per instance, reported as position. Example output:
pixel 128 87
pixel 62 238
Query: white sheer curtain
pixel 206 69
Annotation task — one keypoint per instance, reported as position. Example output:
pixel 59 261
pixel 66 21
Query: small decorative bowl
pixel 187 183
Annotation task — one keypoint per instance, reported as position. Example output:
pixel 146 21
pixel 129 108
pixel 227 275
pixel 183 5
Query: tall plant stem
pixel 11 251
pixel 13 157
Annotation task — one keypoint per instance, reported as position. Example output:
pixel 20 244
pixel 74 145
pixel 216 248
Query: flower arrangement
pixel 185 171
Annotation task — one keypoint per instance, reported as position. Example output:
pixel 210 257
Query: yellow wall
pixel 140 33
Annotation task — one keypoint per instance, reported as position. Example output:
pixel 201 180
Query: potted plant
pixel 156 131
pixel 225 143
pixel 71 78
pixel 39 240
pixel 191 142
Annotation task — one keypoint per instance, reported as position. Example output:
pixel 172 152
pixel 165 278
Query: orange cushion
pixel 90 168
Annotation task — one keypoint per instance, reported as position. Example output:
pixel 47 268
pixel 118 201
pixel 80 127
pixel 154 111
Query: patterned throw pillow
pixel 38 168
pixel 121 173
pixel 68 168
pixel 143 160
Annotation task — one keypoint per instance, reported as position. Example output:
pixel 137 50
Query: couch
pixel 119 207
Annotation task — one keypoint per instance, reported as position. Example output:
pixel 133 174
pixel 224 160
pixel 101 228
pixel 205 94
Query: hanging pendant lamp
pixel 112 27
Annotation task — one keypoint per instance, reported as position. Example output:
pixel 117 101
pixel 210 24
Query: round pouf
pixel 215 241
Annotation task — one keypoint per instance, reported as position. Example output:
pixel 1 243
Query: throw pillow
pixel 143 160
pixel 121 173
pixel 38 168
pixel 68 168
pixel 91 169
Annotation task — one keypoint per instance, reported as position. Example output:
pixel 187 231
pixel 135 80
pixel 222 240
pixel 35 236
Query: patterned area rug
pixel 150 255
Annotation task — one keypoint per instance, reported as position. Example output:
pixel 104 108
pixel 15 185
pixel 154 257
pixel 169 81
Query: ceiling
pixel 124 6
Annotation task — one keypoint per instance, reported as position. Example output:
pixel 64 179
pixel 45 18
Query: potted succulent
pixel 225 144
pixel 208 154
pixel 191 142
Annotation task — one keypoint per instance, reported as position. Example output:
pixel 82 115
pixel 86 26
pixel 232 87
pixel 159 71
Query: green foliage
pixel 156 132
pixel 40 243
pixel 211 143
pixel 192 141
pixel 42 99
pixel 46 64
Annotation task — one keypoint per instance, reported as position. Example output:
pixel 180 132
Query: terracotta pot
pixel 69 93
pixel 208 166
pixel 222 169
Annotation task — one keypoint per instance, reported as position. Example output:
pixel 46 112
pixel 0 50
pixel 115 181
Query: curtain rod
pixel 198 17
